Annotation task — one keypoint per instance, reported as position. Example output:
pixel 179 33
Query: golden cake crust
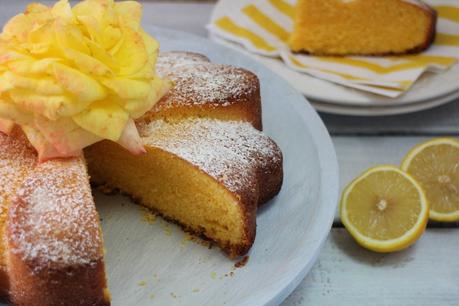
pixel 53 252
pixel 431 30
pixel 207 90
pixel 17 158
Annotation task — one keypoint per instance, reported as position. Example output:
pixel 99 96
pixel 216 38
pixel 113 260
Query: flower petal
pixel 132 55
pixel 15 113
pixel 127 88
pixel 131 12
pixel 43 85
pixel 6 126
pixel 103 118
pixel 88 64
pixel 49 106
pixel 31 66
pixel 85 88
pixel 44 149
pixel 131 140
pixel 64 135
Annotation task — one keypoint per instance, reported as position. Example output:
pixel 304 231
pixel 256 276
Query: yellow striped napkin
pixel 263 27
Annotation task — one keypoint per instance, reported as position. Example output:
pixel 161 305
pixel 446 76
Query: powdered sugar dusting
pixel 53 220
pixel 171 60
pixel 230 151
pixel 209 83
pixel 17 158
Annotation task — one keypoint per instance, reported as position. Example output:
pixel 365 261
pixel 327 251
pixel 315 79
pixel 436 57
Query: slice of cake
pixel 362 27
pixel 17 159
pixel 207 167
pixel 52 252
pixel 207 175
pixel 209 90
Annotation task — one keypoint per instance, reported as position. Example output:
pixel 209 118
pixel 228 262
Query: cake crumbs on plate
pixel 142 283
pixel 197 240
pixel 196 290
pixel 151 296
pixel 186 239
pixel 213 275
pixel 241 263
pixel 147 215
pixel 173 295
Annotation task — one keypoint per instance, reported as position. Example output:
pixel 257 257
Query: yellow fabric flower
pixel 73 76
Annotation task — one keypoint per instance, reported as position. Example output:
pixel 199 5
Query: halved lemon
pixel 435 165
pixel 384 209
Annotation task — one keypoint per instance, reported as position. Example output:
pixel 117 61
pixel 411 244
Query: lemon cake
pixel 202 158
pixel 17 159
pixel 207 175
pixel 207 167
pixel 362 27
pixel 52 252
pixel 205 89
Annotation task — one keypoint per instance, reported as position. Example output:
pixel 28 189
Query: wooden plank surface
pixel 347 275
pixel 443 120
pixel 358 153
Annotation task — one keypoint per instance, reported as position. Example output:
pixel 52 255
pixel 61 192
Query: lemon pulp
pixel 435 165
pixel 384 209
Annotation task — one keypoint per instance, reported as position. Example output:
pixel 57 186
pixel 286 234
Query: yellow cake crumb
pixel 147 215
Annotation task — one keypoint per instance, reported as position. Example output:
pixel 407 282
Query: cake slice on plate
pixel 17 160
pixel 207 175
pixel 362 27
pixel 53 251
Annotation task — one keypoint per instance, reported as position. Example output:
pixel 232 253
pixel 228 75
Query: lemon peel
pixel 435 165
pixel 384 209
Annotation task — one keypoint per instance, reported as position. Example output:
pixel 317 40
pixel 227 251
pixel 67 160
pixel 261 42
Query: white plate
pixel 429 87
pixel 335 108
pixel 291 229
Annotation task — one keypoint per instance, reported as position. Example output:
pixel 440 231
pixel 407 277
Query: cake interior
pixel 175 113
pixel 174 188
pixel 359 27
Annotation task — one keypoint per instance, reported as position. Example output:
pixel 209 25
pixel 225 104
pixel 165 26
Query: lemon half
pixel 435 165
pixel 384 209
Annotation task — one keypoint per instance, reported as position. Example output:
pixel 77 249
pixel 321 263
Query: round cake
pixel 207 167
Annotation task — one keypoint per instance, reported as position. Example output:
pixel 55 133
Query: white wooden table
pixel 346 274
